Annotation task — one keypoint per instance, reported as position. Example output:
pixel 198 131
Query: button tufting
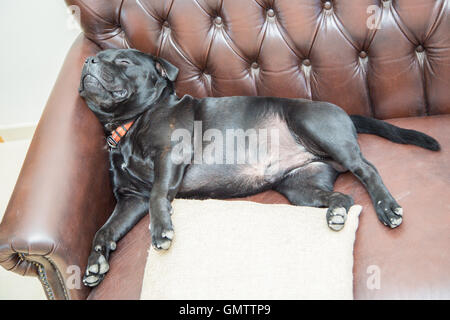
pixel 363 54
pixel 327 5
pixel 306 62
pixel 166 24
pixel 420 48
pixel 218 21
pixel 271 13
pixel 255 65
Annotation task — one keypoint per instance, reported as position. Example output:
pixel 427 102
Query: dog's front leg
pixel 128 211
pixel 168 178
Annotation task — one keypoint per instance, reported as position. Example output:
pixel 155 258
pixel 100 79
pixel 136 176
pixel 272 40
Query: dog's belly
pixel 248 170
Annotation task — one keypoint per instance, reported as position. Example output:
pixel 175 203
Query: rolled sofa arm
pixel 63 194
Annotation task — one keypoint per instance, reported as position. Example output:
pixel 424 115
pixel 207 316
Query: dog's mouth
pixel 91 82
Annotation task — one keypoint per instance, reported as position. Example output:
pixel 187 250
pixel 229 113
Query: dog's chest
pixel 132 171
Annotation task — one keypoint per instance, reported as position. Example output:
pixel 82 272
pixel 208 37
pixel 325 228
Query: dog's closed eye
pixel 123 62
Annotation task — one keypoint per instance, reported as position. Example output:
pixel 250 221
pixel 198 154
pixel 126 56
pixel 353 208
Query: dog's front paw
pixel 389 212
pixel 98 264
pixel 162 235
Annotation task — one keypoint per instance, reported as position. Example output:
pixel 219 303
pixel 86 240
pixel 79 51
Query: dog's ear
pixel 166 69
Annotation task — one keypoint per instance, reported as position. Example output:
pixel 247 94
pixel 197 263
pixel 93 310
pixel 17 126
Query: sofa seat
pixel 410 262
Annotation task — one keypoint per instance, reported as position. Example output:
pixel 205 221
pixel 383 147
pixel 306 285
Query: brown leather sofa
pixel 321 50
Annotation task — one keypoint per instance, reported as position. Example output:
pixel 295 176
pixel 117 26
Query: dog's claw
pixel 399 212
pixel 168 234
pixel 92 269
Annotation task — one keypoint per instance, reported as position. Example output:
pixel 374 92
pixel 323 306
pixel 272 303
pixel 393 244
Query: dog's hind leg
pixel 312 185
pixel 128 212
pixel 330 129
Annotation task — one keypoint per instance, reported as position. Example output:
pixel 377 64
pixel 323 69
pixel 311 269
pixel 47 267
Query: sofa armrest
pixel 63 194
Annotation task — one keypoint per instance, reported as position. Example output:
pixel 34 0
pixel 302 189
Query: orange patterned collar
pixel 118 133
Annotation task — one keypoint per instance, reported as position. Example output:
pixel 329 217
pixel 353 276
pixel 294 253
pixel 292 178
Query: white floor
pixel 13 286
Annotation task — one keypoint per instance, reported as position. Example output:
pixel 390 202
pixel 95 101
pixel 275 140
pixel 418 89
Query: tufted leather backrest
pixel 385 59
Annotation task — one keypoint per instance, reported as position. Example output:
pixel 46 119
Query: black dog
pixel 132 95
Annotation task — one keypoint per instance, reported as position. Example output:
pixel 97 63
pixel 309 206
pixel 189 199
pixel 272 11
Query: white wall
pixel 35 37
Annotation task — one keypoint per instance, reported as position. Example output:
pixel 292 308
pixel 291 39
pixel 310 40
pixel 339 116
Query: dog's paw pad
pixel 168 234
pixel 395 222
pixel 163 245
pixel 97 265
pixel 104 265
pixel 92 269
pixel 399 212
pixel 92 280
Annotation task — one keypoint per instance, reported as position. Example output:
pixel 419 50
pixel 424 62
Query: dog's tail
pixel 393 133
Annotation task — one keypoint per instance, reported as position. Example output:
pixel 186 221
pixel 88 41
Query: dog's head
pixel 120 84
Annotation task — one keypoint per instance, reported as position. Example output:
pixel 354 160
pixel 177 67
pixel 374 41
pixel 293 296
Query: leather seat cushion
pixel 410 262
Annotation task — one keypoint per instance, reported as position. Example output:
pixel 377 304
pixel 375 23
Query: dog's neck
pixel 167 98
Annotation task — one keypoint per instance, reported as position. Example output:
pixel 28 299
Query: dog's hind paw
pixel 336 218
pixel 389 213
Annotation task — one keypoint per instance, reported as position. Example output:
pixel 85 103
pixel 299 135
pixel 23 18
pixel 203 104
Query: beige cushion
pixel 246 250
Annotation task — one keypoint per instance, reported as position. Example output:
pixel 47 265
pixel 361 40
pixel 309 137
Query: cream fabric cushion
pixel 246 250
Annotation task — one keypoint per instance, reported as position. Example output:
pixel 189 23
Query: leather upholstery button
pixel 363 54
pixel 166 24
pixel 255 65
pixel 271 13
pixel 327 5
pixel 218 21
pixel 306 62
pixel 420 48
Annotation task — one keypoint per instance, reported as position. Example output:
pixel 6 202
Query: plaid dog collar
pixel 117 134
